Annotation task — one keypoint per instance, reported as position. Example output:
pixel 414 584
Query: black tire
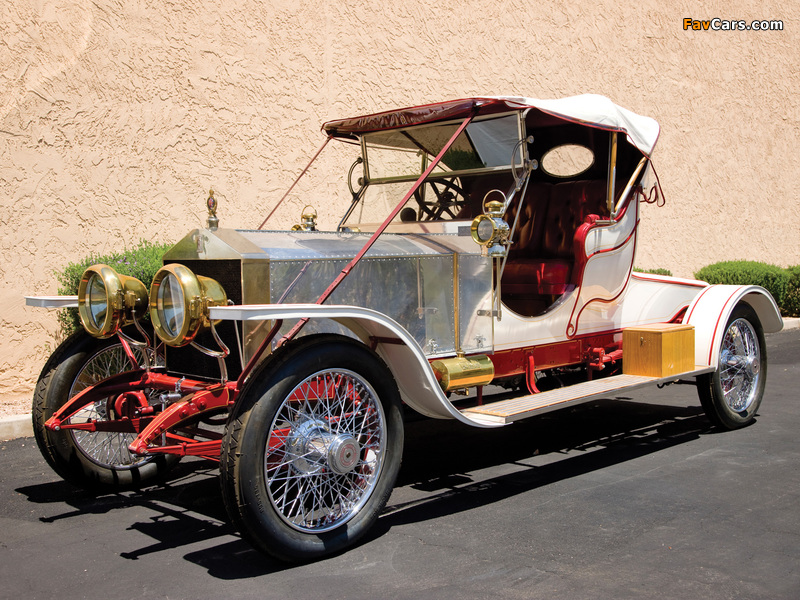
pixel 81 457
pixel 267 489
pixel 732 394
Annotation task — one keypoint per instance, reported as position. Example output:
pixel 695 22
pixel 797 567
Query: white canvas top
pixel 594 109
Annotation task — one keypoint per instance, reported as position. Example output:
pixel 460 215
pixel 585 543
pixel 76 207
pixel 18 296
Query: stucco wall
pixel 117 116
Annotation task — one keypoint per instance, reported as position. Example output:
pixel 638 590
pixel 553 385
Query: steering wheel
pixel 449 198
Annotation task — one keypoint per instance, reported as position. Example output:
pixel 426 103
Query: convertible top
pixel 589 109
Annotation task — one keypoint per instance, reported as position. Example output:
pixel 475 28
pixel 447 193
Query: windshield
pixel 405 153
pixel 396 158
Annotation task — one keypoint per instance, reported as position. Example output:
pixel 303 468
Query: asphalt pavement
pixel 630 497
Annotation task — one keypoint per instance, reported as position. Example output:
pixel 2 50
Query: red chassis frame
pixel 200 398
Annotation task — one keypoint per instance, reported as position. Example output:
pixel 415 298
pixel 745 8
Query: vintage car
pixel 487 251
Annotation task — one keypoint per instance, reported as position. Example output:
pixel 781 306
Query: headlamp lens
pixel 170 305
pixel 96 301
pixel 485 230
pixel 179 303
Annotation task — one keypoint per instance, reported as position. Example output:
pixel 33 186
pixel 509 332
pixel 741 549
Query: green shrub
pixel 791 300
pixel 666 272
pixel 746 272
pixel 141 261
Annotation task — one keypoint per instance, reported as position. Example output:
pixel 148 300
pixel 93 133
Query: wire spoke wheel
pixel 325 450
pixel 106 448
pixel 312 449
pixel 739 364
pixel 91 459
pixel 732 394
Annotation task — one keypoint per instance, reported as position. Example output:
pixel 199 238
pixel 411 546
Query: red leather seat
pixel 541 260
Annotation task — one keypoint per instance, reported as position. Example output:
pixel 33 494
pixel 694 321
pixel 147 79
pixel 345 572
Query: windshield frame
pixel 424 161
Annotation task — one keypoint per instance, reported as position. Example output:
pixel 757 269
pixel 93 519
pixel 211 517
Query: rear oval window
pixel 567 160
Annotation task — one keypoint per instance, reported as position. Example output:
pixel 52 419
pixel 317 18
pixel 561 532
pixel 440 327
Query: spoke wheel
pixel 732 395
pixel 312 451
pixel 108 449
pixel 325 451
pixel 90 459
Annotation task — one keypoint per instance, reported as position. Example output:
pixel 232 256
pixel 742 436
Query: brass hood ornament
pixel 213 220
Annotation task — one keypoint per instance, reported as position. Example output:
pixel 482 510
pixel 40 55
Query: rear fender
pixel 415 378
pixel 710 311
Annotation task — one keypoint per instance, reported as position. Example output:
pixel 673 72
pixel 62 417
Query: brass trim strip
pixel 612 171
pixel 629 186
pixel 456 302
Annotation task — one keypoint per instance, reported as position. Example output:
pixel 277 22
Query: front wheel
pixel 312 451
pixel 732 394
pixel 89 459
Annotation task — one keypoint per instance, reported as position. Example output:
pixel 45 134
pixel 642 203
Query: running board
pixel 514 409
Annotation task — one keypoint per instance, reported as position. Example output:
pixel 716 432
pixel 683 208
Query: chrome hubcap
pixel 315 447
pixel 343 454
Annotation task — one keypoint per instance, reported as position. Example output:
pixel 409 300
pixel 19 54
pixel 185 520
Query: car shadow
pixel 440 462
pixel 442 456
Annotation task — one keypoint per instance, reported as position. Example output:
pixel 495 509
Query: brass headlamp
pixel 107 301
pixel 490 230
pixel 180 302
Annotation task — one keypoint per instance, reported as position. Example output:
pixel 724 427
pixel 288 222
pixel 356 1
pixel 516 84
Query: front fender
pixel 412 372
pixel 710 311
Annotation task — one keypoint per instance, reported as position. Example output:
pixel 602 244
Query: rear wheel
pixel 312 451
pixel 732 394
pixel 89 459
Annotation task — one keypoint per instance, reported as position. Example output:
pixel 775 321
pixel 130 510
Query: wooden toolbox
pixel 658 350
